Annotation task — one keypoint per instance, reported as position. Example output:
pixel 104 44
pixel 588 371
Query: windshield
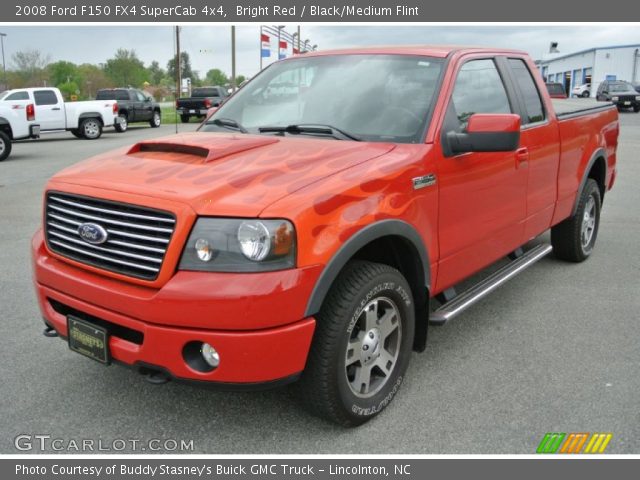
pixel 621 87
pixel 372 97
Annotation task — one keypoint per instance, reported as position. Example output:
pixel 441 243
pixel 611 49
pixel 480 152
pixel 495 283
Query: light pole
pixel 233 58
pixel 4 67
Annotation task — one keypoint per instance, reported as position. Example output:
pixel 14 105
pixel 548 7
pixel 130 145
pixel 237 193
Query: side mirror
pixel 487 132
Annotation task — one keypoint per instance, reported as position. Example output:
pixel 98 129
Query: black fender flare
pixel 599 153
pixel 383 228
pixel 84 115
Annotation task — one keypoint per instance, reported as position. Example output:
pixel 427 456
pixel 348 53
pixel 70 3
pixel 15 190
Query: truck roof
pixel 438 51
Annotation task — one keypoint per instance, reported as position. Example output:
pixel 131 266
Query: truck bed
pixel 571 107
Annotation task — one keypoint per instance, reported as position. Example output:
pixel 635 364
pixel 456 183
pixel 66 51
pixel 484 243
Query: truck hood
pixel 219 173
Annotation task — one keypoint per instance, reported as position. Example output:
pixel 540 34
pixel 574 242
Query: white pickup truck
pixel 83 119
pixel 17 121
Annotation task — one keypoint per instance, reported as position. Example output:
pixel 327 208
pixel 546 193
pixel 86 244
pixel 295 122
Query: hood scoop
pixel 195 152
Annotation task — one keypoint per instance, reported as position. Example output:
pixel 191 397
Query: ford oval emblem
pixel 92 233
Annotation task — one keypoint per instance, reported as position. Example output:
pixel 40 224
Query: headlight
pixel 615 99
pixel 240 245
pixel 638 98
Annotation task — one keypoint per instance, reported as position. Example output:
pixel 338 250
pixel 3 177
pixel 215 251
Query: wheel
pixel 156 120
pixel 76 133
pixel 124 123
pixel 361 346
pixel 636 108
pixel 90 128
pixel 585 94
pixel 574 238
pixel 5 146
pixel 185 118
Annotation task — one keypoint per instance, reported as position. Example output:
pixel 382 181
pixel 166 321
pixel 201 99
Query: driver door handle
pixel 522 157
pixel 55 108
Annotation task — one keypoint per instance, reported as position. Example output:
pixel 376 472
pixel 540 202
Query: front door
pixel 50 112
pixel 483 196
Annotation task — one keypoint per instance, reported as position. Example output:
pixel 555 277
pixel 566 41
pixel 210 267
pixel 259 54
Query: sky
pixel 210 46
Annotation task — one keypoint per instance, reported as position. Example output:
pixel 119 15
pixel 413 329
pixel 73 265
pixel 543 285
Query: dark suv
pixel 621 93
pixel 133 106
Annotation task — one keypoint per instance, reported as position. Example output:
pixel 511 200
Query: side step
pixel 463 301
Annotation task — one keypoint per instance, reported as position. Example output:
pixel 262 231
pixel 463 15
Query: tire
pixel 347 344
pixel 5 146
pixel 76 133
pixel 156 120
pixel 585 94
pixel 123 126
pixel 185 118
pixel 573 239
pixel 636 108
pixel 90 128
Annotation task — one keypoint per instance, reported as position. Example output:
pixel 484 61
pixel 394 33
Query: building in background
pixel 621 62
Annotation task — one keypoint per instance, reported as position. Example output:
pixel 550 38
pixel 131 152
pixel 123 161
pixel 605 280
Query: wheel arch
pixel 597 170
pixel 392 242
pixel 85 115
pixel 5 126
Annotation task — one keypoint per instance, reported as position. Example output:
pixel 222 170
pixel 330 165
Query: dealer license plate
pixel 88 339
pixel 192 111
pixel 627 103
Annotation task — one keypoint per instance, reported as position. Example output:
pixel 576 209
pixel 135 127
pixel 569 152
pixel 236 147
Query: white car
pixel 17 121
pixel 82 119
pixel 581 91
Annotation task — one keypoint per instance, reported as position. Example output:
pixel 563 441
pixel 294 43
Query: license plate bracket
pixel 88 339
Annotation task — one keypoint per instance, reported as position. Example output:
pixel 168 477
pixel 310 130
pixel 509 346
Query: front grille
pixel 627 98
pixel 137 237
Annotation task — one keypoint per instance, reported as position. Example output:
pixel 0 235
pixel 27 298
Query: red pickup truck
pixel 313 232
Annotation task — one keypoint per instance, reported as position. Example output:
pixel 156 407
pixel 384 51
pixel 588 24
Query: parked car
pixel 315 238
pixel 200 101
pixel 582 90
pixel 83 119
pixel 556 90
pixel 134 106
pixel 17 120
pixel 621 93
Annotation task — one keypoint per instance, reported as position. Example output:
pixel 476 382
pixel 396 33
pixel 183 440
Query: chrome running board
pixel 480 290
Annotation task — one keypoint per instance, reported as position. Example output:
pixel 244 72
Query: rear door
pixel 50 113
pixel 482 204
pixel 539 152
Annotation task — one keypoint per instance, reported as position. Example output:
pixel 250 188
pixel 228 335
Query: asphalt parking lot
pixel 557 349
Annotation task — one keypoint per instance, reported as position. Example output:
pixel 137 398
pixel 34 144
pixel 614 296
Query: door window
pixel 18 96
pixel 479 89
pixel 45 97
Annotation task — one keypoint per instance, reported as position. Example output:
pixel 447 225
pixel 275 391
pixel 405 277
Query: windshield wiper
pixel 227 123
pixel 317 129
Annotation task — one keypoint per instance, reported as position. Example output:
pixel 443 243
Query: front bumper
pixel 150 328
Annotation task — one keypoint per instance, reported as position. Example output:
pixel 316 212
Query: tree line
pixel 32 68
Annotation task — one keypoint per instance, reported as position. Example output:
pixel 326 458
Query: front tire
pixel 5 146
pixel 156 120
pixel 123 126
pixel 91 128
pixel 585 94
pixel 362 345
pixel 573 239
pixel 636 108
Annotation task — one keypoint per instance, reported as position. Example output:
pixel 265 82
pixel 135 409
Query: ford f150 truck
pixel 201 100
pixel 82 119
pixel 315 236
pixel 17 121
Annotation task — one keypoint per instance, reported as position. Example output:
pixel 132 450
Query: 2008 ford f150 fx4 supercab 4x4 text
pixel 314 235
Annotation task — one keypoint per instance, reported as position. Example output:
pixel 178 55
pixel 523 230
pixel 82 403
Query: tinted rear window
pixel 205 92
pixel 530 94
pixel 112 95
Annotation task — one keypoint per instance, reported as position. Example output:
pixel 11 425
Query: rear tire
pixel 185 118
pixel 362 345
pixel 123 126
pixel 90 128
pixel 573 239
pixel 156 120
pixel 5 146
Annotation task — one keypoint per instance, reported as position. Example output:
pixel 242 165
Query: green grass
pixel 169 116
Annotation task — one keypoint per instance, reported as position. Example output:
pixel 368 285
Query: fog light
pixel 204 249
pixel 210 355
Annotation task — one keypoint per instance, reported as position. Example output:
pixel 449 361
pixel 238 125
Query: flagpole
pixel 260 48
